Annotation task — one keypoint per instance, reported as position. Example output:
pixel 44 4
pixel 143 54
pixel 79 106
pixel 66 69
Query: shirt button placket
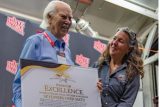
pixel 107 93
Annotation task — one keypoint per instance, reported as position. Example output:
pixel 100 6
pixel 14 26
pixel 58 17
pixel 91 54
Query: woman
pixel 120 67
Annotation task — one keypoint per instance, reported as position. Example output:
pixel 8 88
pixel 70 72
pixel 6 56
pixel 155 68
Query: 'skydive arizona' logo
pixel 16 25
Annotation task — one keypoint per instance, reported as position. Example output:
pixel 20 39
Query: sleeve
pixel 68 55
pixel 95 65
pixel 17 89
pixel 28 52
pixel 130 93
pixel 29 49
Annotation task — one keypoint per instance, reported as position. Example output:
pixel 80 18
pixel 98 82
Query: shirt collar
pixel 106 62
pixel 58 43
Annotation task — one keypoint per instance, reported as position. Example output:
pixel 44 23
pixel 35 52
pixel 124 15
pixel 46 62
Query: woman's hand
pixel 99 85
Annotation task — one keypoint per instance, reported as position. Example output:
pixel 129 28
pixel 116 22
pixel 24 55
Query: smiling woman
pixel 120 67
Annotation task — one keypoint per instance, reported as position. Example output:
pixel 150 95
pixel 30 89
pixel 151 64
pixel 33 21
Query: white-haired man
pixel 49 45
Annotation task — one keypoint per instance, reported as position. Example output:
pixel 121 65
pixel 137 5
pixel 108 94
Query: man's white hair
pixel 50 9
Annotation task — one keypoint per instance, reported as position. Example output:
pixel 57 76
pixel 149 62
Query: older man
pixel 49 45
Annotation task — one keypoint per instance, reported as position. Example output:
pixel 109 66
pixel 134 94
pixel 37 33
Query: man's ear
pixel 49 17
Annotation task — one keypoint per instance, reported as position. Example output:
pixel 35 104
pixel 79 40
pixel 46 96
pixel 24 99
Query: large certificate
pixel 45 84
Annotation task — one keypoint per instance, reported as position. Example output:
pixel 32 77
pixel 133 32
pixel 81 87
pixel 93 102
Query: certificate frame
pixel 46 84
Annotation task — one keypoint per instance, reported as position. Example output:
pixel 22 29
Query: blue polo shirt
pixel 37 47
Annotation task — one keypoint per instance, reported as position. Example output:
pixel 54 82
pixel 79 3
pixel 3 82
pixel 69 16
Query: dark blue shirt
pixel 38 48
pixel 118 90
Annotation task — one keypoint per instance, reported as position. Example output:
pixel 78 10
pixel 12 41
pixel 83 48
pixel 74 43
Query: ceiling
pixel 104 17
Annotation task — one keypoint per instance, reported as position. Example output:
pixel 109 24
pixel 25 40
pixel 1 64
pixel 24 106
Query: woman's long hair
pixel 133 58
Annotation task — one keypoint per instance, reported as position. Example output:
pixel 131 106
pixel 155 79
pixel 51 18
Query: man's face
pixel 60 22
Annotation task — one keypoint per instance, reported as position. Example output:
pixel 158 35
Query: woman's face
pixel 119 45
